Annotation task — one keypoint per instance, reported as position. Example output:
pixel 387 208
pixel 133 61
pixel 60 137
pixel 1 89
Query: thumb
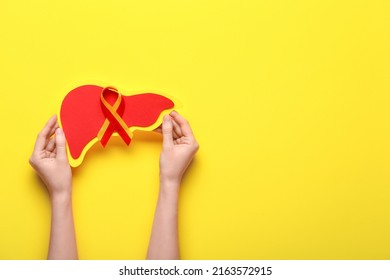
pixel 167 128
pixel 61 144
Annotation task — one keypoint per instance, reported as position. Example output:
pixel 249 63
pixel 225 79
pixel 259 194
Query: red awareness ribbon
pixel 113 113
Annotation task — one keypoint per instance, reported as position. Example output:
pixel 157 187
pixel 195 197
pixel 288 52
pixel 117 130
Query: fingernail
pixel 59 131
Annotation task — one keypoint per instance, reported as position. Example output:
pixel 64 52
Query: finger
pixel 44 135
pixel 178 141
pixel 159 130
pixel 53 130
pixel 183 123
pixel 177 129
pixel 61 144
pixel 167 132
pixel 51 145
pixel 174 134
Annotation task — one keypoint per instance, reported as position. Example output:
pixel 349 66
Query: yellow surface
pixel 289 101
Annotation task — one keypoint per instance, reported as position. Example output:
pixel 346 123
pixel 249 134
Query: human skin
pixel 178 149
pixel 50 161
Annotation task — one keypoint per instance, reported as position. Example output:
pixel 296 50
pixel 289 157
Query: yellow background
pixel 289 101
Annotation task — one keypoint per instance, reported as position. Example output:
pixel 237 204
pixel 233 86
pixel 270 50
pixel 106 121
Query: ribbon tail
pixel 109 128
pixel 106 135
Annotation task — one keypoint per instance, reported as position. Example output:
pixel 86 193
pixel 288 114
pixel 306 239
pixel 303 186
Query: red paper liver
pixel 82 116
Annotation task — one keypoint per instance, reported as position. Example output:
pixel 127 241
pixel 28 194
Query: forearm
pixel 62 236
pixel 164 243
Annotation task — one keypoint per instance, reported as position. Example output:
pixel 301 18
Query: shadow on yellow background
pixel 289 101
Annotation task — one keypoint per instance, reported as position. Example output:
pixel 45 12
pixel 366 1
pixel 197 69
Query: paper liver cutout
pixel 92 113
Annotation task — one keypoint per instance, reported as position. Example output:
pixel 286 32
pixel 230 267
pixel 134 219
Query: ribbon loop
pixel 113 113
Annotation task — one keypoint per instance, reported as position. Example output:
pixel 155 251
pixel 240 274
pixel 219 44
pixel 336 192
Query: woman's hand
pixel 178 150
pixel 50 160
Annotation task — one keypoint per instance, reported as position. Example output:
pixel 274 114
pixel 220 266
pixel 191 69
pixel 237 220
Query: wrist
pixel 61 197
pixel 170 181
pixel 169 188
